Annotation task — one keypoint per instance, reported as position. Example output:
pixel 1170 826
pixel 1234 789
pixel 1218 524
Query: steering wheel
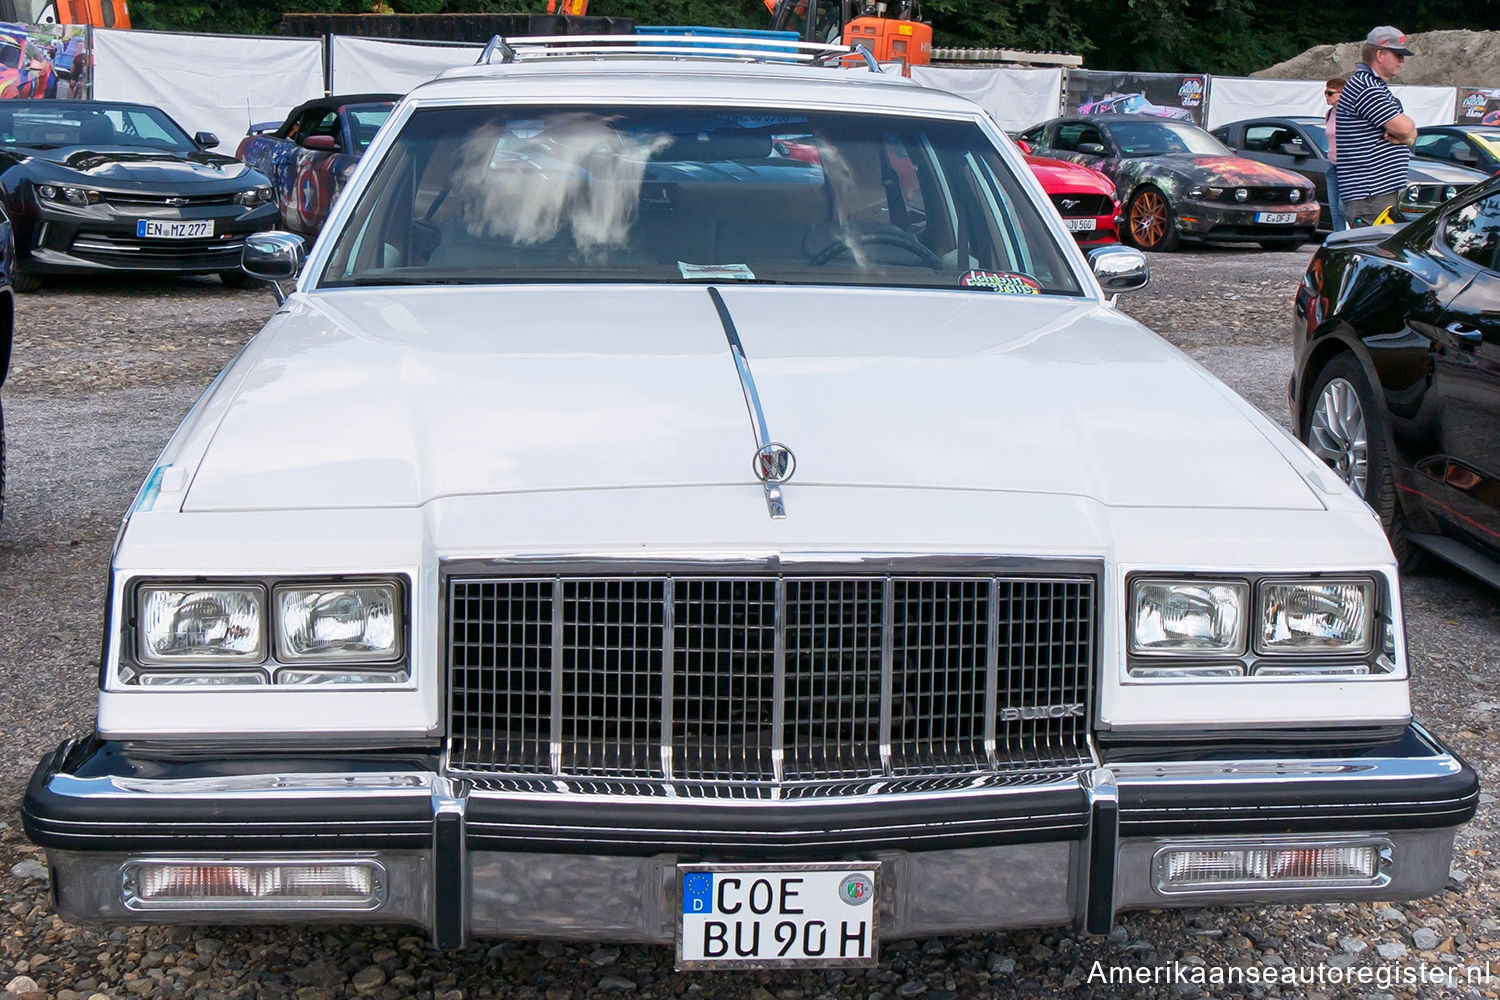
pixel 899 240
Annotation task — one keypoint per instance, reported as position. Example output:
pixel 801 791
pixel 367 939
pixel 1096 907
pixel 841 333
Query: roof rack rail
pixel 524 48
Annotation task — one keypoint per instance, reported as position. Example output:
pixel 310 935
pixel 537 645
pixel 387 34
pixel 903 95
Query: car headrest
pixel 714 147
pixel 96 131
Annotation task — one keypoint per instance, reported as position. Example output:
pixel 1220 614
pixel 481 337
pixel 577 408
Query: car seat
pixel 96 131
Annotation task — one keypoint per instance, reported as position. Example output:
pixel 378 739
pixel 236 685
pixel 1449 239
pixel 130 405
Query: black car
pixel 1178 182
pixel 7 330
pixel 1396 383
pixel 1301 144
pixel 96 186
pixel 1474 146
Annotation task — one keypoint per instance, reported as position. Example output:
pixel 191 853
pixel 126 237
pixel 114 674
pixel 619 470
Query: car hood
pixel 1228 171
pixel 136 167
pixel 1061 177
pixel 1424 170
pixel 363 398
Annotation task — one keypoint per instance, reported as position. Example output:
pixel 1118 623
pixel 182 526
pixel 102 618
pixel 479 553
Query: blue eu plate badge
pixel 697 892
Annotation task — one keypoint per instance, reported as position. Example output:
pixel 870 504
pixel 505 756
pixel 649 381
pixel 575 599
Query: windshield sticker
pixel 1004 282
pixel 715 272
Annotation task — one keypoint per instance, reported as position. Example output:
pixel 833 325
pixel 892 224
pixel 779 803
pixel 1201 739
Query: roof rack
pixel 524 48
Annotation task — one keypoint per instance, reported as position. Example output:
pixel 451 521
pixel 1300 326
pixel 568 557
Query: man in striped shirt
pixel 1374 133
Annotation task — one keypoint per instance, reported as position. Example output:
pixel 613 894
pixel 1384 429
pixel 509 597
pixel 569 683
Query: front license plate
pixel 1081 225
pixel 776 916
pixel 1276 217
pixel 159 230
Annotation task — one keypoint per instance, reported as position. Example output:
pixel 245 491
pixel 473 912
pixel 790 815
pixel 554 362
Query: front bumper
pixel 102 238
pixel 464 861
pixel 1218 222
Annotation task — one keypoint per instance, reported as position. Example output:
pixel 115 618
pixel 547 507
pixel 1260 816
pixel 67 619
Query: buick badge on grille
pixel 774 464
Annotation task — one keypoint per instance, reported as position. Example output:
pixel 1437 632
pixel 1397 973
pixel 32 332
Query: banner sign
pixel 1477 107
pixel 44 60
pixel 1166 95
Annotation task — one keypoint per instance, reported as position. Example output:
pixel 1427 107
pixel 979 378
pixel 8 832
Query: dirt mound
pixel 1443 58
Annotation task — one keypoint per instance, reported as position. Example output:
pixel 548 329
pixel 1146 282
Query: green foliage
pixel 1197 36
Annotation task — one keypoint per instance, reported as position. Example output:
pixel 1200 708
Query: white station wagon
pixel 705 498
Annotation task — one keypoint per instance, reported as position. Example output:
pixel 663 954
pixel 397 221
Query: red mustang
pixel 1084 197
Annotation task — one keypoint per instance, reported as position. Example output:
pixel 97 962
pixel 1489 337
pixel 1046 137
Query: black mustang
pixel 1397 378
pixel 96 186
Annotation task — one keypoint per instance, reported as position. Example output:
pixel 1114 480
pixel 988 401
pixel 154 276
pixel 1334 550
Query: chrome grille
pixel 785 680
pixel 166 201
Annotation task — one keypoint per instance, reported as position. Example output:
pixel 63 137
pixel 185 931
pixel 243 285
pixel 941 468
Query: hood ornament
pixel 774 464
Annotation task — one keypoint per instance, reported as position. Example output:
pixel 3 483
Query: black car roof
pixel 335 101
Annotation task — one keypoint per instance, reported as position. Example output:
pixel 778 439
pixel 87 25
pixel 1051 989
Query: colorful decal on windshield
pixel 715 272
pixel 1004 282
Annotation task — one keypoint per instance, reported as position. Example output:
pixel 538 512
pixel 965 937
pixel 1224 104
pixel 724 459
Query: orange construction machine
pixel 97 13
pixel 901 37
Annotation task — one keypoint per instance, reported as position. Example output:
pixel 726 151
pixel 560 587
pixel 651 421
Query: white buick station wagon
pixel 706 498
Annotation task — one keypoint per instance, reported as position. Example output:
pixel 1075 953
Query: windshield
pixel 486 194
pixel 53 124
pixel 1156 138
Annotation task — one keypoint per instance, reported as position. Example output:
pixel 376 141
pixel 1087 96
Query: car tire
pixel 23 278
pixel 237 279
pixel 1343 425
pixel 1150 221
pixel 2 462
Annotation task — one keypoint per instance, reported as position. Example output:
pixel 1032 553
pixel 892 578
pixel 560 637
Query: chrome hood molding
pixel 616 387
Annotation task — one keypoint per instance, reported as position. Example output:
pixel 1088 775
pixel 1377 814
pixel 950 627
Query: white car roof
pixel 686 81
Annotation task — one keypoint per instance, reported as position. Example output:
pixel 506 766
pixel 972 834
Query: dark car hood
pixel 143 166
pixel 1227 171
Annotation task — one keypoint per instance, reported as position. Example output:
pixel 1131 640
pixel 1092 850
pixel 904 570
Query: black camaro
pixel 95 186
pixel 1396 383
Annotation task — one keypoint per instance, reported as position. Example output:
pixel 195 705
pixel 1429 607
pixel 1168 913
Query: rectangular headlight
pixel 1188 617
pixel 1316 617
pixel 343 623
pixel 184 624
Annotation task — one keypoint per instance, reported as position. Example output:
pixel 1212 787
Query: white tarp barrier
pixel 1231 98
pixel 376 66
pixel 208 83
pixel 1015 98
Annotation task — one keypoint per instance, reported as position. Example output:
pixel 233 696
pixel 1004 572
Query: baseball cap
pixel 1388 37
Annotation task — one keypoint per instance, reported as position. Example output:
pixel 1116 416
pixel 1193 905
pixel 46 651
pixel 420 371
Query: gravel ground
pixel 104 370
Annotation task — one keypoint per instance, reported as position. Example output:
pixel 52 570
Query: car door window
pixel 1473 231
pixel 1072 135
pixel 1439 146
pixel 1036 137
pixel 1269 138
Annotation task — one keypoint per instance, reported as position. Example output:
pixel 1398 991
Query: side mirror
pixel 1464 154
pixel 273 256
pixel 1295 149
pixel 1091 148
pixel 1023 145
pixel 1119 268
pixel 325 142
pixel 205 140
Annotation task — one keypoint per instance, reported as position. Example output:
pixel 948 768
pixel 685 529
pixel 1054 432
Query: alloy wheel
pixel 1339 435
pixel 1148 219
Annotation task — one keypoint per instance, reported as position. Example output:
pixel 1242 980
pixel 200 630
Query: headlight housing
pixel 252 197
pixel 190 624
pixel 68 195
pixel 1183 626
pixel 347 624
pixel 282 632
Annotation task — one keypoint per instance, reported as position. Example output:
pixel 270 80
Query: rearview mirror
pixel 1119 269
pixel 1091 148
